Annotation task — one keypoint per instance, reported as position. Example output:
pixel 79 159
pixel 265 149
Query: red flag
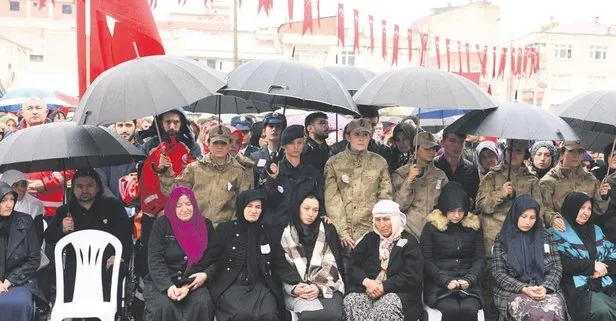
pixel 512 55
pixel 409 37
pixel 355 30
pixel 448 48
pixel 384 38
pixel 459 57
pixel 438 52
pixel 519 64
pixel 371 24
pixel 424 48
pixel 134 26
pixel 319 13
pixel 525 61
pixel 532 61
pixel 467 49
pixel 475 77
pixel 493 62
pixel 341 24
pixel 483 58
pixel 537 70
pixel 266 5
pixel 42 4
pixel 289 8
pixel 394 54
pixel 307 16
pixel 490 89
pixel 503 62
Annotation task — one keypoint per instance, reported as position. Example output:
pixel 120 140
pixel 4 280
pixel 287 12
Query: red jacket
pixel 53 196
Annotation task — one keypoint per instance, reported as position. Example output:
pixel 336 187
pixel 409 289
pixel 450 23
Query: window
pixel 211 63
pixel 67 9
pixel 347 58
pixel 36 58
pixel 598 52
pixel 563 51
pixel 560 82
pixel 14 5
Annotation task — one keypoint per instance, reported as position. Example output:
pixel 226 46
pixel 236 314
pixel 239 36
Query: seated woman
pixel 309 263
pixel 526 267
pixel 177 242
pixel 589 262
pixel 20 257
pixel 386 273
pixel 452 247
pixel 238 268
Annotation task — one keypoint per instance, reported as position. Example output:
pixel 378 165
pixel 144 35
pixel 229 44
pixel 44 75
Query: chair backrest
pixel 89 246
pixel 45 226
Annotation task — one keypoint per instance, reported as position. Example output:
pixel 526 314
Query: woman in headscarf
pixel 526 267
pixel 20 257
pixel 386 273
pixel 238 266
pixel 452 247
pixel 544 156
pixel 402 146
pixel 487 155
pixel 589 262
pixel 309 263
pixel 173 289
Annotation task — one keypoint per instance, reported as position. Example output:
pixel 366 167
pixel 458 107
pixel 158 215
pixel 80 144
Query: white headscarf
pixel 12 176
pixel 398 222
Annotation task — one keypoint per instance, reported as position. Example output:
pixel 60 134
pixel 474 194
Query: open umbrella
pixel 11 102
pixel 146 86
pixel 73 147
pixel 351 77
pixel 290 84
pixel 219 104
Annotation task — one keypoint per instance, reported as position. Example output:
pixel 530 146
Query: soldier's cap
pixel 359 126
pixel 275 118
pixel 517 143
pixel 425 140
pixel 573 145
pixel 219 133
pixel 241 122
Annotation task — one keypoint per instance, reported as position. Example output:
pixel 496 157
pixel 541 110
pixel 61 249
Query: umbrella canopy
pixel 146 86
pixel 11 102
pixel 351 77
pixel 290 84
pixel 593 116
pixel 228 105
pixel 514 121
pixel 423 87
pixel 73 147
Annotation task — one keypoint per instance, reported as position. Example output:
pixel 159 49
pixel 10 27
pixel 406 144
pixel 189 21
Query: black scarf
pixel 253 232
pixel 524 249
pixel 570 209
pixel 307 234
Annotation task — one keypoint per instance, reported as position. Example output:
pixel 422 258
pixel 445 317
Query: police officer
pixel 245 124
pixel 273 125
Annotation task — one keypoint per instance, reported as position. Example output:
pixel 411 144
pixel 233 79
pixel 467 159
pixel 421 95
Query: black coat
pixel 315 154
pixel 225 257
pixel 451 252
pixel 373 146
pixel 288 273
pixel 404 272
pixel 466 174
pixel 262 160
pixel 165 256
pixel 284 193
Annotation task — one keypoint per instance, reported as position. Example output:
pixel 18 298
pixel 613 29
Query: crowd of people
pixel 257 220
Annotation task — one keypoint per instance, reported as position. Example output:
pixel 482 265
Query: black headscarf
pixel 5 228
pixel 524 249
pixel 252 229
pixel 570 209
pixel 307 234
pixel 453 196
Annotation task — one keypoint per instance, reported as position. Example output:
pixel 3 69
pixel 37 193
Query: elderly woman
pixel 452 246
pixel 526 267
pixel 309 263
pixel 238 266
pixel 20 257
pixel 543 156
pixel 386 274
pixel 177 242
pixel 589 263
pixel 487 155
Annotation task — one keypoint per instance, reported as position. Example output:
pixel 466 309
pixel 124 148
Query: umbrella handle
pixel 609 158
pixel 160 139
pixel 417 136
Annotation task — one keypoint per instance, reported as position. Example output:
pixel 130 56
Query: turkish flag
pixel 494 62
pixel 490 92
pixel 409 38
pixel 394 54
pixel 460 57
pixel 525 61
pixel 319 13
pixel 448 49
pixel 264 4
pixel 341 24
pixel 371 25
pixel 531 57
pixel 42 4
pixel 519 64
pixel 355 30
pixel 133 26
pixel 472 76
pixel 483 58
pixel 438 52
pixel 512 54
pixel 424 48
pixel 307 17
pixel 467 49
pixel 537 56
pixel 503 62
pixel 384 38
pixel 289 7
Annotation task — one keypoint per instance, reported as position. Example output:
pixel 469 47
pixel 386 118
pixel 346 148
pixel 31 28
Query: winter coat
pixel 216 187
pixel 466 174
pixel 451 252
pixel 404 271
pixel 315 154
pixel 417 198
pixel 559 181
pixel 607 222
pixel 353 184
pixel 493 208
pixel 506 276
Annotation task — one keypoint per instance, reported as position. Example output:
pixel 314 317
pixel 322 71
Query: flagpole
pixel 88 30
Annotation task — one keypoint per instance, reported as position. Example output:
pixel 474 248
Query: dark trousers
pixel 455 308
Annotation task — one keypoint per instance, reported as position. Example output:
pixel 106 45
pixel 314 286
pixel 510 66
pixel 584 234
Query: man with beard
pixel 316 150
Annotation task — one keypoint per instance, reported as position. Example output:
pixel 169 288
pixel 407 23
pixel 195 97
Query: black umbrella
pixel 63 146
pixel 290 84
pixel 219 104
pixel 351 77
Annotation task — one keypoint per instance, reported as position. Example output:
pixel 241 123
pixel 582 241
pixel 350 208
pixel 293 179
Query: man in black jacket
pixel 316 150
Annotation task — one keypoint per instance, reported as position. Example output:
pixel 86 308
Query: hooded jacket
pixel 397 158
pixel 489 146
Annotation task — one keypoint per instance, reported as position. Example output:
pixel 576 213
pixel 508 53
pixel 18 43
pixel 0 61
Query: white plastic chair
pixel 436 315
pixel 88 294
pixel 45 225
